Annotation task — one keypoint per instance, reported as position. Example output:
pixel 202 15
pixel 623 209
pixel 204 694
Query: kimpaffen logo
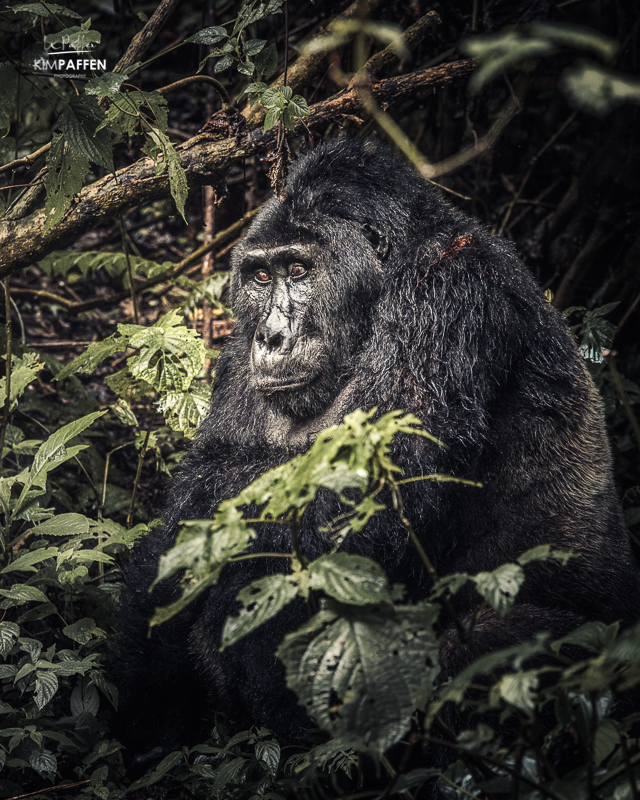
pixel 61 59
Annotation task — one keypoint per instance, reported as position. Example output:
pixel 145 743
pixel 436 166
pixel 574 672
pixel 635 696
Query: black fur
pixel 407 303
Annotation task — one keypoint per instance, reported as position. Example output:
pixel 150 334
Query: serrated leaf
pixel 361 675
pixel 9 633
pixel 66 170
pixel 186 410
pixel 81 631
pixel 177 176
pixel 95 354
pixel 44 762
pixel 52 10
pixel 208 36
pixel 350 579
pixel 23 371
pixel 46 687
pixel 271 118
pixel 51 452
pixel 268 755
pixel 500 587
pixel 253 46
pixel 246 68
pixel 266 61
pixel 19 594
pixel 298 106
pixel 82 123
pixel 223 63
pixel 84 699
pixel 254 10
pixel 106 85
pixel 203 547
pixel 518 690
pixel 260 601
pixel 26 561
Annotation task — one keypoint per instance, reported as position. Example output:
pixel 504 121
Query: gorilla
pixel 364 288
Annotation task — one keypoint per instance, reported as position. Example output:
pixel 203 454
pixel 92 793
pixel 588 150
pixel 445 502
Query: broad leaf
pixel 361 675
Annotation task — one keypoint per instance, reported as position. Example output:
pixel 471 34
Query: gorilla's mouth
pixel 273 385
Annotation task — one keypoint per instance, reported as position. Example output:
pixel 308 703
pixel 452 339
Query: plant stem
pixel 141 456
pixel 7 394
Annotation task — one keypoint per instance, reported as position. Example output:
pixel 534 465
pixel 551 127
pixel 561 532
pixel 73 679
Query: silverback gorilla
pixel 362 289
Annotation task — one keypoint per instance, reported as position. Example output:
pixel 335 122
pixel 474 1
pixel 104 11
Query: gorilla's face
pixel 305 307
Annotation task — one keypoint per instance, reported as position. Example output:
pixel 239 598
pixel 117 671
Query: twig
pixel 529 171
pixel 25 160
pixel 7 389
pixel 50 789
pixel 171 87
pixel 380 63
pixel 141 455
pixel 125 248
pixel 144 38
pixel 75 307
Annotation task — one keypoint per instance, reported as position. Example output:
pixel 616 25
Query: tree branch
pixel 24 240
pixel 144 38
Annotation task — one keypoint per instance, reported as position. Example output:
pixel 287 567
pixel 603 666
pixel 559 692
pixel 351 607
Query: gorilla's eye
pixel 262 276
pixel 297 271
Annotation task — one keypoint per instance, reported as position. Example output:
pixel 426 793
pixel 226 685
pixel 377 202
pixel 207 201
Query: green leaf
pixel 81 631
pixel 50 10
pixel 362 674
pixel 19 594
pixel 606 739
pixel 53 451
pixel 253 46
pixel 254 10
pixel 26 561
pixel 23 371
pixel 9 78
pixel 500 587
pixel 171 355
pixel 82 123
pixel 106 85
pixel 208 36
pixel 185 410
pixel 9 632
pixel 271 118
pixel 95 354
pixel 85 698
pixel 266 61
pixel 223 63
pixel 44 762
pixel 46 687
pixel 246 67
pixel 518 690
pixel 67 525
pixel 133 111
pixel 260 601
pixel 350 579
pixel 268 756
pixel 203 547
pixel 171 159
pixel 66 170
pixel 544 552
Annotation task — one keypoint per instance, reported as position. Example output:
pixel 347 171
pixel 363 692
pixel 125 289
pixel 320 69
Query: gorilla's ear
pixel 377 240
